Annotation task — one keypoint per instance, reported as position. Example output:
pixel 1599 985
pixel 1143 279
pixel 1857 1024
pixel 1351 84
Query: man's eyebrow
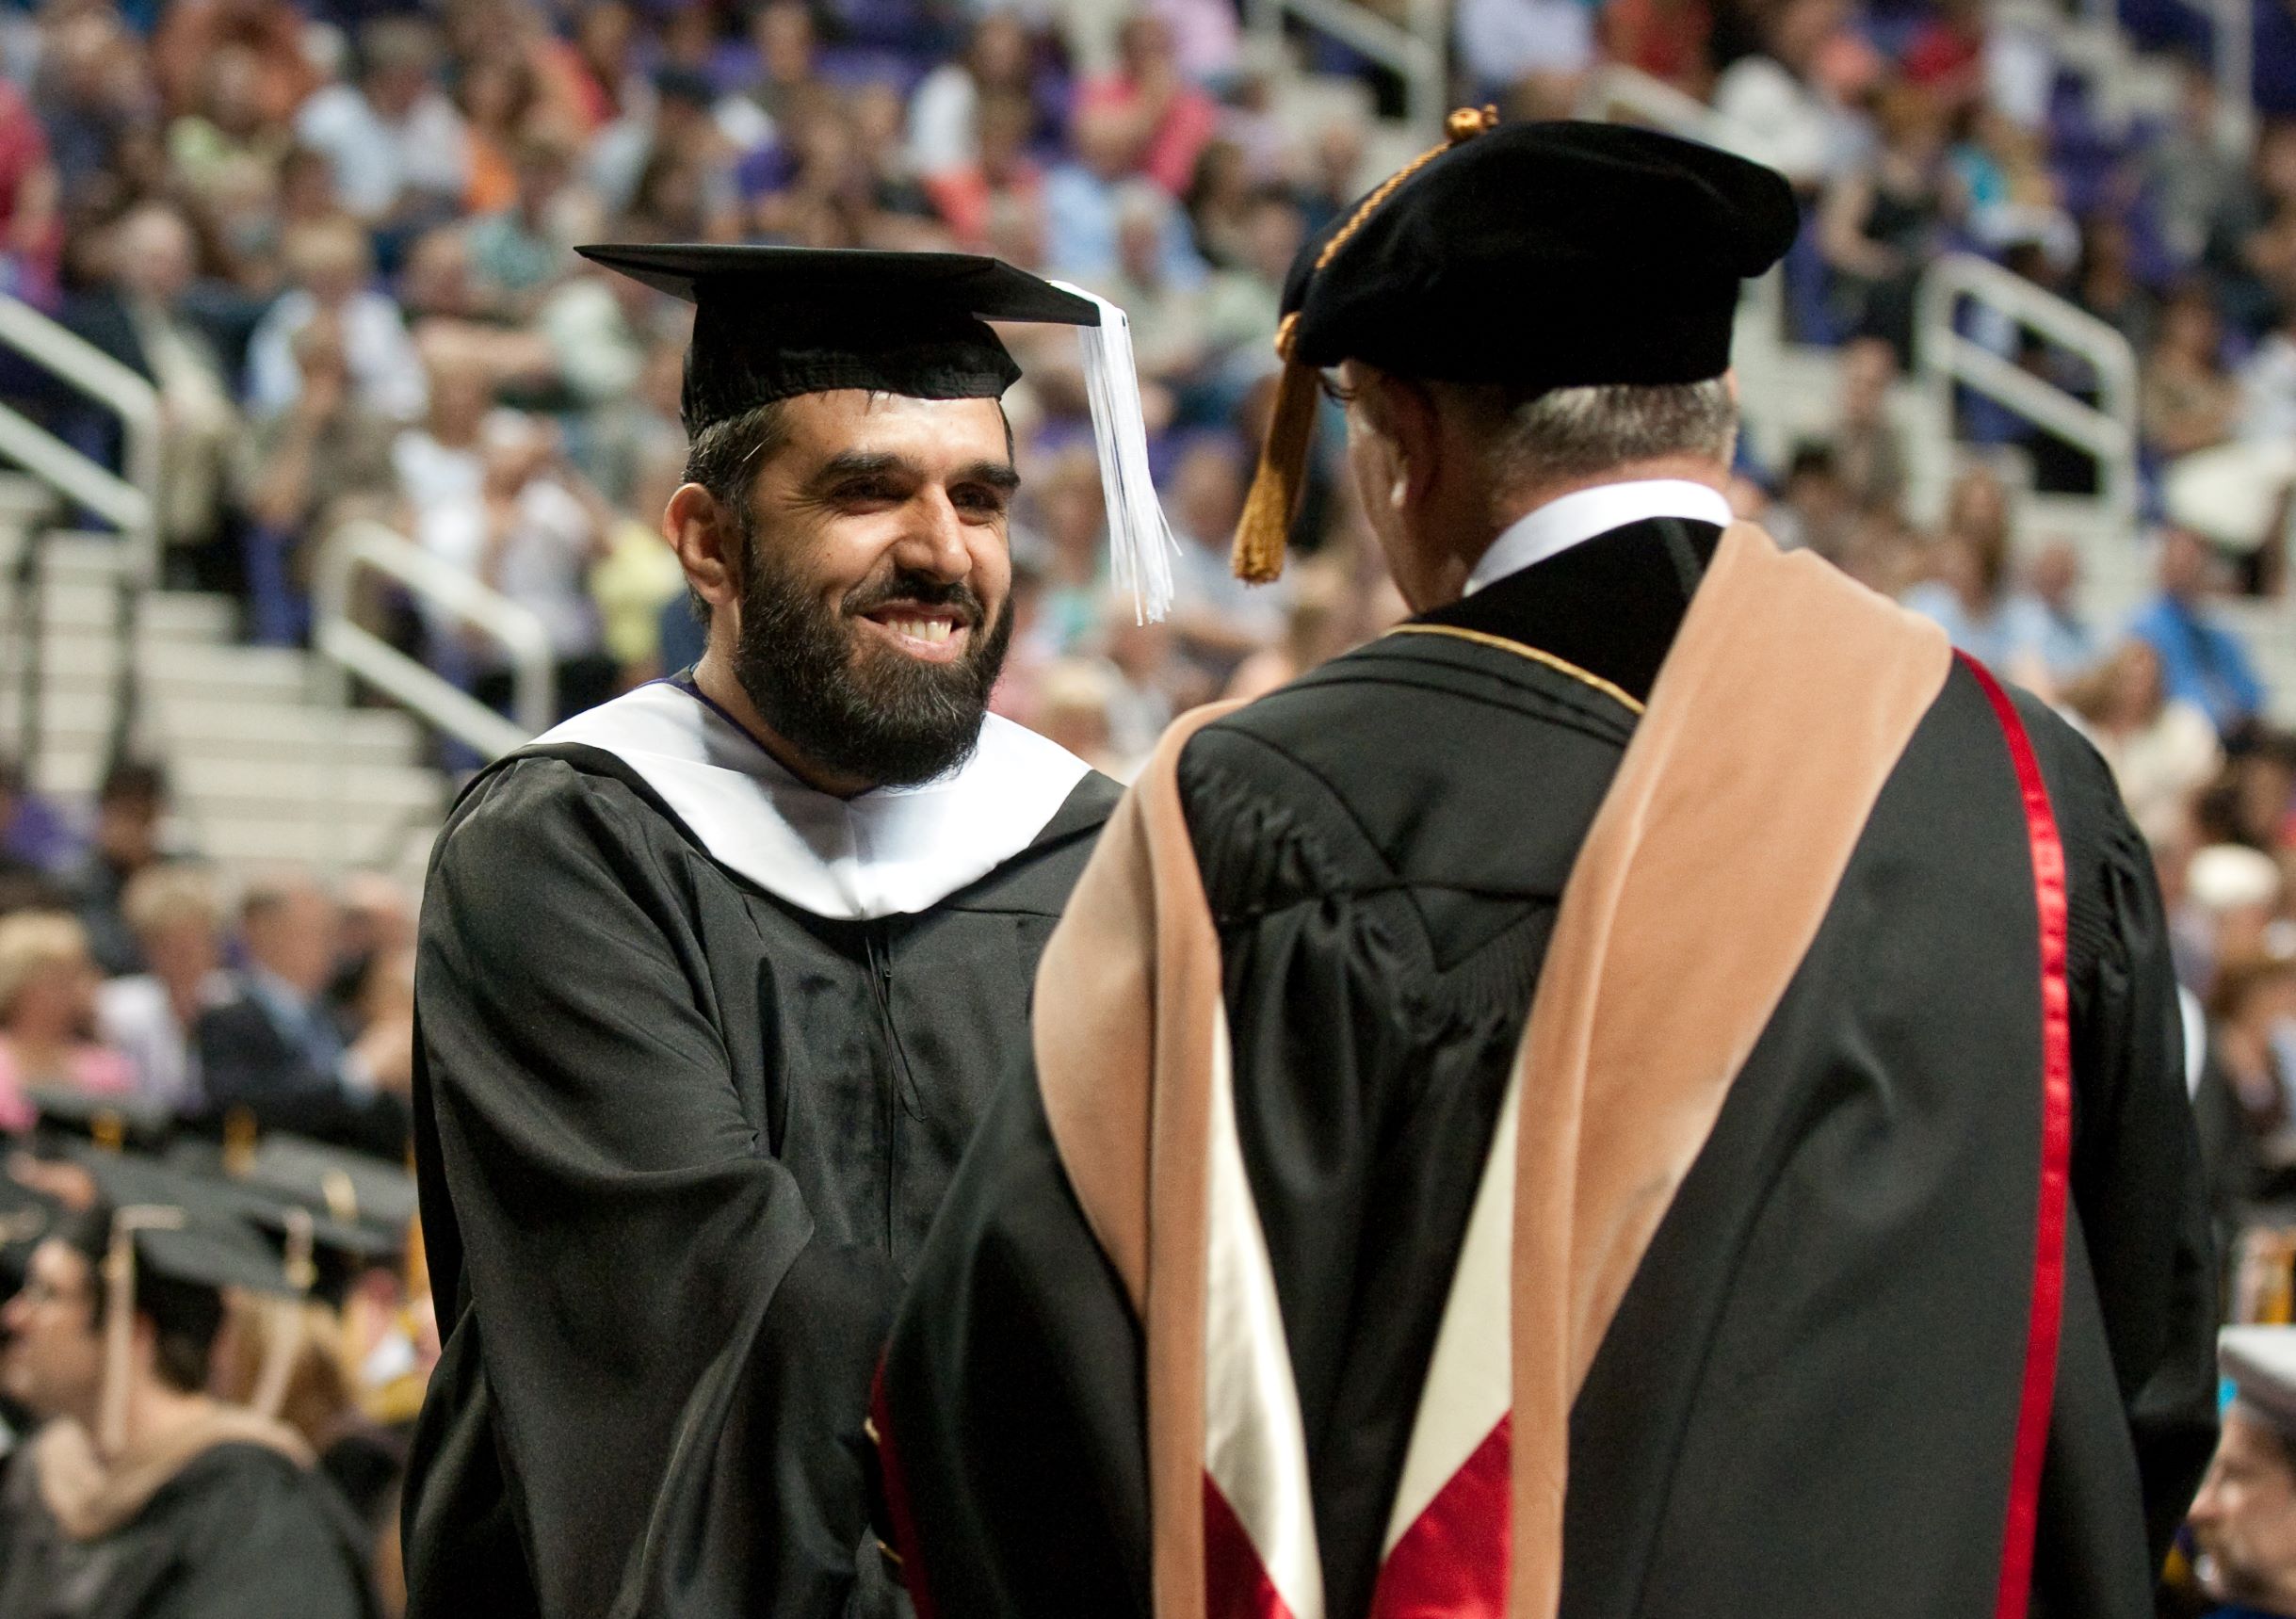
pixel 860 464
pixel 997 475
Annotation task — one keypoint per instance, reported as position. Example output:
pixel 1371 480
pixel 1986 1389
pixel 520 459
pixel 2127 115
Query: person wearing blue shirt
pixel 2200 660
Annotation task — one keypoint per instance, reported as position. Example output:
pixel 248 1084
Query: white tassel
pixel 1141 543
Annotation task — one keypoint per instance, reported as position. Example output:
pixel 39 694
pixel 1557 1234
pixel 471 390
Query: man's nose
pixel 933 541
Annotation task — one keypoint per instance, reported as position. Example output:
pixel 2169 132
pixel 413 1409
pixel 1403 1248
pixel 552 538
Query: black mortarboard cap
pixel 1545 255
pixel 1530 255
pixel 185 1230
pixel 348 1188
pixel 116 1123
pixel 770 322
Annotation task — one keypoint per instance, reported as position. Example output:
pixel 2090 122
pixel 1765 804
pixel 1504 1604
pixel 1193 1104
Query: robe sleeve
pixel 2140 1191
pixel 1010 1411
pixel 676 1370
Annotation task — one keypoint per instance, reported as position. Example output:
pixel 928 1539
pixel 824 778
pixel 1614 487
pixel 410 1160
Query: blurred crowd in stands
pixel 336 237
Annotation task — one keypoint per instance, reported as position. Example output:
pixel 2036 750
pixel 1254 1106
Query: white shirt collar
pixel 1562 524
pixel 886 852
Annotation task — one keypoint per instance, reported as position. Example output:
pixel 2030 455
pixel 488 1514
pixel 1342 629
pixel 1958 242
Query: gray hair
pixel 1576 432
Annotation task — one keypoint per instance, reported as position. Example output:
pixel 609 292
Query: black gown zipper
pixel 900 1084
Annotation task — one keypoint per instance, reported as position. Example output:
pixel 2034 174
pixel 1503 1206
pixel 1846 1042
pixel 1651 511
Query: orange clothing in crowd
pixel 192 31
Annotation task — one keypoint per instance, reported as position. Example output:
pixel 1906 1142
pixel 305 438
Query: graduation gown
pixel 234 1530
pixel 698 1049
pixel 1808 1397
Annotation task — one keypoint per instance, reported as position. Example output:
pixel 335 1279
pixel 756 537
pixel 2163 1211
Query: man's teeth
pixel 920 629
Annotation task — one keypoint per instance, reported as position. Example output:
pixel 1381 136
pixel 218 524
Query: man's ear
pixel 1403 414
pixel 708 543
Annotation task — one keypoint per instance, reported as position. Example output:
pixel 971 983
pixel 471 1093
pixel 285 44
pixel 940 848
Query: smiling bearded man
pixel 716 978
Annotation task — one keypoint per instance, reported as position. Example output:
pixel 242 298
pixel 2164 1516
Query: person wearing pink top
pixel 1171 118
pixel 47 1006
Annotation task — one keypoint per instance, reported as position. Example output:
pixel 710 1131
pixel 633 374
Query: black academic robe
pixel 1802 1407
pixel 240 1533
pixel 679 1141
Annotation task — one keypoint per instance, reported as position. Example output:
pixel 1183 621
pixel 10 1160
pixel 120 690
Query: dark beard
pixel 848 706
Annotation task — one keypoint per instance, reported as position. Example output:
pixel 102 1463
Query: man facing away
pixel 1652 1090
pixel 716 978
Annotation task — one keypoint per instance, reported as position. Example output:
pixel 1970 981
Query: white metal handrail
pixel 1415 49
pixel 1945 358
pixel 129 503
pixel 363 545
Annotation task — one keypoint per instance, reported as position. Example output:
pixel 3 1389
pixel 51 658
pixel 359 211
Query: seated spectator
pixel 331 269
pixel 131 805
pixel 1244 302
pixel 1775 104
pixel 2268 381
pixel 498 97
pixel 1814 507
pixel 1975 596
pixel 440 460
pixel 1166 311
pixel 677 127
pixel 1671 41
pixel 2070 646
pixel 142 1493
pixel 144 319
pixel 275 1046
pixel 1868 447
pixel 193 33
pixel 229 125
pixel 1320 625
pixel 1509 45
pixel 1075 696
pixel 1160 121
pixel 598 329
pixel 325 457
pixel 1218 202
pixel 640 577
pixel 47 1016
pixel 2105 283
pixel 2243 1520
pixel 1220 620
pixel 148 1016
pixel 2200 660
pixel 518 252
pixel 2162 749
pixel 31 205
pixel 947 107
pixel 2251 1006
pixel 34 837
pixel 1000 170
pixel 2190 400
pixel 534 533
pixel 1336 177
pixel 1082 200
pixel 395 140
pixel 1883 220
pixel 92 101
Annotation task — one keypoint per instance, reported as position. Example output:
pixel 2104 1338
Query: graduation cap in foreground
pixel 774 322
pixel 1531 255
pixel 165 1245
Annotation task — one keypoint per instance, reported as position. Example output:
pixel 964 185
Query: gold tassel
pixel 1264 529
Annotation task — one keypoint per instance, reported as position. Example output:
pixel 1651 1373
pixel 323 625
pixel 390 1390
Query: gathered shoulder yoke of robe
pixel 698 1048
pixel 224 1520
pixel 1806 1399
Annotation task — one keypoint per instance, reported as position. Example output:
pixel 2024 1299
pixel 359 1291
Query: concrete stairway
pixel 265 767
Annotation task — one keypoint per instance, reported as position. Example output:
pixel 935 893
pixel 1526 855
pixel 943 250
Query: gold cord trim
pixel 1560 666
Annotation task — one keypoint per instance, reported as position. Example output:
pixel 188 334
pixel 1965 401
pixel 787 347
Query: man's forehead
pixel 854 420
